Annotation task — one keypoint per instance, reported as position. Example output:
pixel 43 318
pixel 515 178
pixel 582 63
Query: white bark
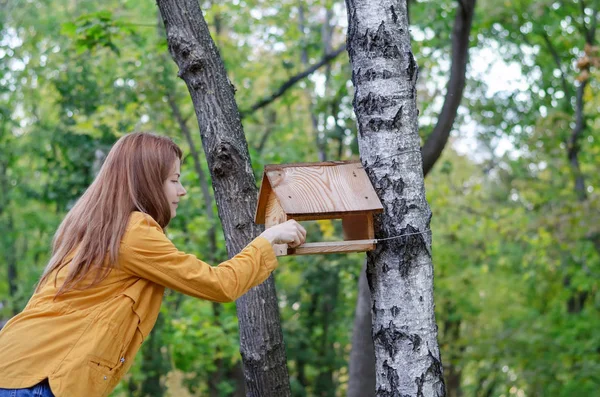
pixel 399 271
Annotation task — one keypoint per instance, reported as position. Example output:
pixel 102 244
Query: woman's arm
pixel 146 252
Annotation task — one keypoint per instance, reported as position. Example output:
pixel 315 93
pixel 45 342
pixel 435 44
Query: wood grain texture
pixel 331 163
pixel 263 198
pixel 274 215
pixel 323 188
pixel 332 247
pixel 358 227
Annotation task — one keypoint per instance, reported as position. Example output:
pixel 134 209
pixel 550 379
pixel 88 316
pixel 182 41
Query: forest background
pixel 515 195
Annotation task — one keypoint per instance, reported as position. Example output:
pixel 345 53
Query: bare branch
pixel 592 33
pixel 293 80
pixel 558 62
pixel 586 31
pixel 270 118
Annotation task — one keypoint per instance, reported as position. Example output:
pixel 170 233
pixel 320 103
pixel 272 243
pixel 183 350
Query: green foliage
pixel 516 249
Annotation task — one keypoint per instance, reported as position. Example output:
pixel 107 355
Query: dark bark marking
pixel 375 124
pixel 370 276
pixel 396 123
pixel 434 371
pixel 385 268
pixel 386 184
pixel 377 311
pixel 372 74
pixel 394 15
pixel 224 157
pixel 399 209
pixel 385 393
pixel 390 338
pixel 408 247
pixel 374 104
pixel 395 311
pixel 352 31
pixel 419 381
pixel 355 76
pixel 378 43
pixel 391 52
pixel 392 376
pixel 412 68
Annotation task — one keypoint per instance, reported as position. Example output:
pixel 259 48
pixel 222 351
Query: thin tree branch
pixel 573 147
pixel 558 62
pixel 586 32
pixel 592 33
pixel 293 80
pixel 270 117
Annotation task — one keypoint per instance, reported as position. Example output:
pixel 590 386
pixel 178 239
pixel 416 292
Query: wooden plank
pixel 358 227
pixel 275 167
pixel 274 215
pixel 331 247
pixel 263 197
pixel 324 189
pixel 329 215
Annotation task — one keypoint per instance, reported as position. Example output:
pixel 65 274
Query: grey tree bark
pixel 226 149
pixel 361 365
pixel 399 270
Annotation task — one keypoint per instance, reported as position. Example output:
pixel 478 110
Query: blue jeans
pixel 42 389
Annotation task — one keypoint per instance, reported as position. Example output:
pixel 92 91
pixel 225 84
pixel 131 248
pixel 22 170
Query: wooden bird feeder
pixel 314 191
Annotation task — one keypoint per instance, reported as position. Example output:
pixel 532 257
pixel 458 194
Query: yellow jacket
pixel 85 341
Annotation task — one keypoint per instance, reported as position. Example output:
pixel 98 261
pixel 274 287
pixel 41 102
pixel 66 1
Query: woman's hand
pixel 290 233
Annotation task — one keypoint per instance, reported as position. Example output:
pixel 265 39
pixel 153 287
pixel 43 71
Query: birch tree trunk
pixel 399 271
pixel 226 149
pixel 362 360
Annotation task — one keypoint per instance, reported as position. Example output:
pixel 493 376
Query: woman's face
pixel 173 188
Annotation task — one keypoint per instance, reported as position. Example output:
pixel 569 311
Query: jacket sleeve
pixel 147 253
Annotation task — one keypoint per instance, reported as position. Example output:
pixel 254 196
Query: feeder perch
pixel 315 191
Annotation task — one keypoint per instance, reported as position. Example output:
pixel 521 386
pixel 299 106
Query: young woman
pixel 101 291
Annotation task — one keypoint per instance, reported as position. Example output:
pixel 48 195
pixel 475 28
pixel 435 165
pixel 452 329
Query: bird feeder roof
pixel 327 189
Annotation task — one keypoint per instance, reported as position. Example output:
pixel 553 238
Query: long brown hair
pixel 130 179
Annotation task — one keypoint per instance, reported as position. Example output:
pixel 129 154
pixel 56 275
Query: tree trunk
pixel 399 270
pixel 226 149
pixel 361 366
pixel 362 363
pixel 217 376
pixel 576 301
pixel 435 143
